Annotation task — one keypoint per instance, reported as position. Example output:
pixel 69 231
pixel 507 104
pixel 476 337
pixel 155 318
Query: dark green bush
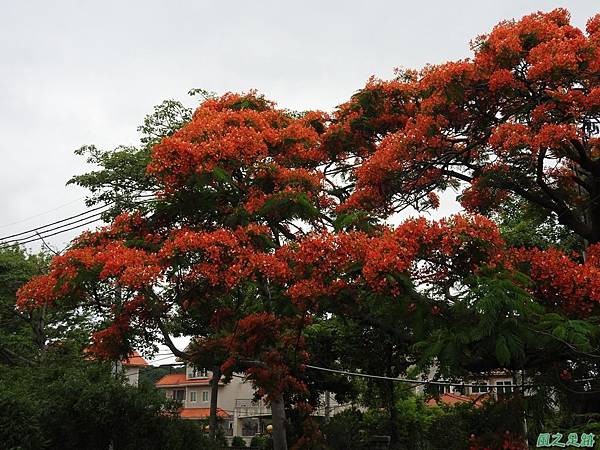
pixel 82 407
pixel 422 427
pixel 260 441
pixel 237 441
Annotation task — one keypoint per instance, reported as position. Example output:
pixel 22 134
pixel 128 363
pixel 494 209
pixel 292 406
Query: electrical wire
pixel 163 359
pixel 53 229
pixel 42 213
pixel 2 247
pixel 41 232
pixel 4 238
pixel 402 380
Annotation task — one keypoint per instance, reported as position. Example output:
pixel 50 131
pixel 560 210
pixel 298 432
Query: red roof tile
pixel 453 399
pixel 135 359
pixel 175 379
pixel 201 413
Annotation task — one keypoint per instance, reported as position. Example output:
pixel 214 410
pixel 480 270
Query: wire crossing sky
pixel 76 73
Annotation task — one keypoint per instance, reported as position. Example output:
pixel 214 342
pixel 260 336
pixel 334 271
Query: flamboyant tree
pixel 519 118
pixel 263 219
pixel 234 184
pixel 517 123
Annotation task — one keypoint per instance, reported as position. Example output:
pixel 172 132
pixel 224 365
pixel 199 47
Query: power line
pixel 163 359
pixel 42 213
pixel 402 380
pixel 52 229
pixel 4 238
pixel 48 235
pixel 64 227
pixel 150 368
pixel 448 383
pixel 97 208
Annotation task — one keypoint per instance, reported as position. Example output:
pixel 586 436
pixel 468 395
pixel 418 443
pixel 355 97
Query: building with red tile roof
pixel 202 413
pixel 131 367
pixel 134 360
pixel 239 414
pixel 455 398
pixel 180 379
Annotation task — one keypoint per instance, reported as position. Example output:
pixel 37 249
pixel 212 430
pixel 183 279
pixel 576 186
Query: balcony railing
pixel 251 408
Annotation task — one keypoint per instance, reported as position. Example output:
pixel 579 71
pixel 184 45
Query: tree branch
pixel 565 215
pixel 287 233
pixel 250 363
pixel 14 356
pixel 169 342
pixel 458 175
pixel 584 159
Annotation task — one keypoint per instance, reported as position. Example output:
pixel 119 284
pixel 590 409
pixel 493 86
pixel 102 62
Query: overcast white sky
pixel 83 72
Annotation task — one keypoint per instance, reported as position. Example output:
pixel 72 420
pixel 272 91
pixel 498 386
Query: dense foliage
pixel 67 405
pixel 52 398
pixel 423 427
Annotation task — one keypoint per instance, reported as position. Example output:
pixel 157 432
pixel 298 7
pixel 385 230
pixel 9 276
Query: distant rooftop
pixel 453 399
pixel 134 359
pixel 180 379
pixel 201 413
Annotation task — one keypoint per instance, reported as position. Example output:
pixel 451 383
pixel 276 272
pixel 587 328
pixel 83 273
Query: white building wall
pixel 233 391
pixel 202 397
pixel 132 375
pixel 228 393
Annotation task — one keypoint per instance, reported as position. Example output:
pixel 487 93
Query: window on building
pixel 504 387
pixel 193 396
pixel 249 426
pixel 458 389
pixel 482 389
pixel 204 396
pixel 227 427
pixel 437 389
pixel 178 394
pixel 198 373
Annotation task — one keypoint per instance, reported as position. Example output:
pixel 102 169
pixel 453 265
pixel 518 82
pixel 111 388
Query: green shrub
pixel 422 427
pixel 342 432
pixel 237 441
pixel 259 441
pixel 82 406
pixel 262 442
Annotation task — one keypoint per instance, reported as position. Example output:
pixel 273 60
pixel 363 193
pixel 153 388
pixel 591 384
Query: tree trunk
pixel 327 406
pixel 37 320
pixel 214 396
pixel 278 413
pixel 393 413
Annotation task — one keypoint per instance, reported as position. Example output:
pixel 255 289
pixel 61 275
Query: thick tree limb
pixel 15 357
pixel 584 159
pixel 169 342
